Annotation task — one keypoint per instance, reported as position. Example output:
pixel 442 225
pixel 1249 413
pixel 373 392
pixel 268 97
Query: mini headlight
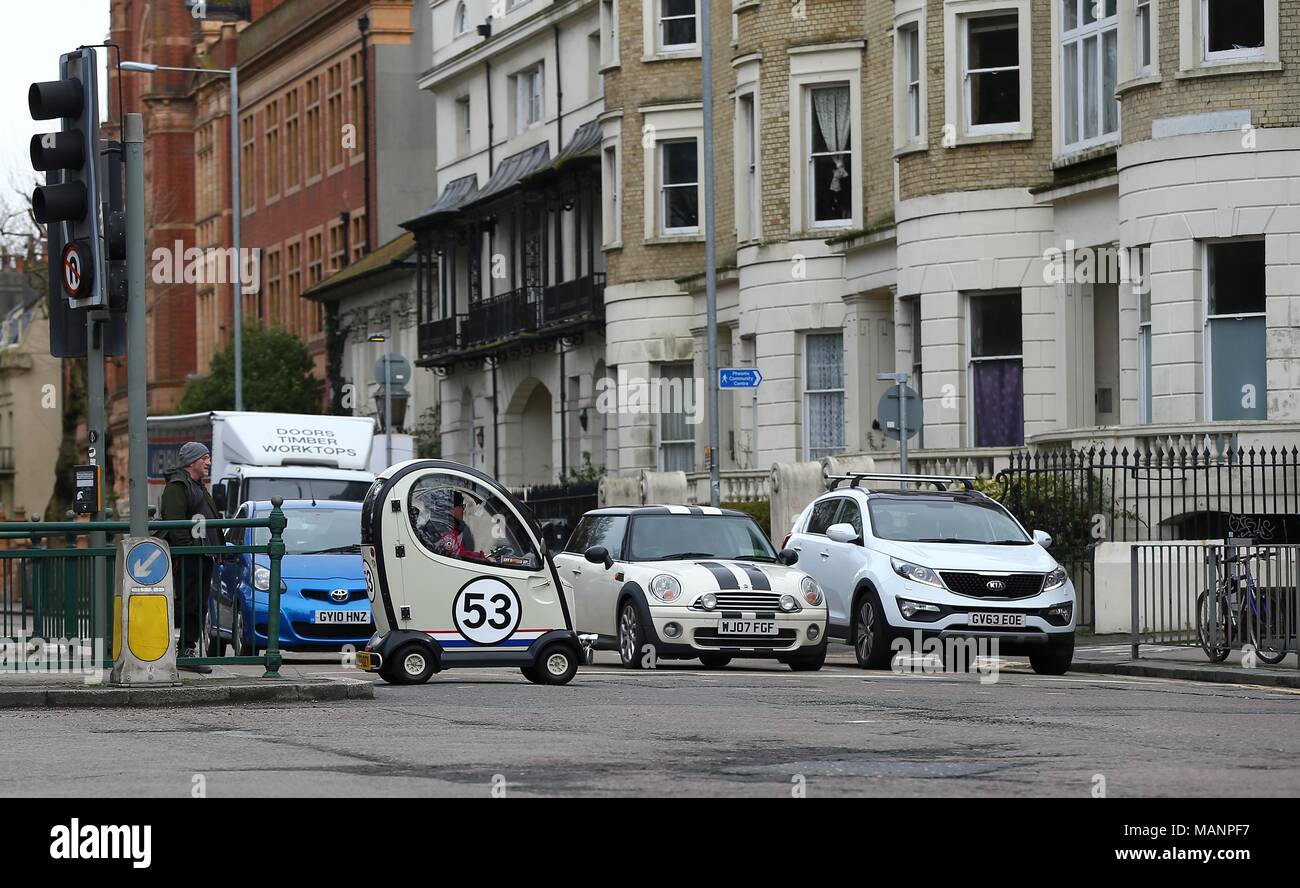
pixel 812 593
pixel 1055 580
pixel 666 588
pixel 788 603
pixel 708 601
pixel 261 578
pixel 916 573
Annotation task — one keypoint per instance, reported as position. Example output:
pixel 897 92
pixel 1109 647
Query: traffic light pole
pixel 95 414
pixel 137 347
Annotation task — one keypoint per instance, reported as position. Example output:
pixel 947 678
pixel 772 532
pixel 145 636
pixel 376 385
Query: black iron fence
pixel 1086 497
pixel 557 508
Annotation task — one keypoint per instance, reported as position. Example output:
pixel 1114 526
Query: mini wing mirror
pixel 842 533
pixel 599 555
pixel 1043 539
pixel 788 557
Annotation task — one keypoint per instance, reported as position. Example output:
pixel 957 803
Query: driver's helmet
pixel 430 511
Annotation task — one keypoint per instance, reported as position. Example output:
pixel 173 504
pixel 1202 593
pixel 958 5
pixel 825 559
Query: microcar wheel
pixel 556 665
pixel 412 664
pixel 870 643
pixel 631 638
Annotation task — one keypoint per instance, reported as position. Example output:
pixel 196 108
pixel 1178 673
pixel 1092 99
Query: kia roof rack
pixel 939 481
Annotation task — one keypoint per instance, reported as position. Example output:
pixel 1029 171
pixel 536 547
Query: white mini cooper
pixel 686 582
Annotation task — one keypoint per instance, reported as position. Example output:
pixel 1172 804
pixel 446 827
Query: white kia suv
pixel 933 563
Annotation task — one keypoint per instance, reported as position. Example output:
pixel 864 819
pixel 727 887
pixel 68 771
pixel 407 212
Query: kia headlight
pixel 666 588
pixel 916 573
pixel 1055 580
pixel 812 593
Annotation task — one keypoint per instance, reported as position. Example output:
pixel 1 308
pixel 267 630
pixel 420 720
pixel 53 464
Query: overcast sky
pixel 32 37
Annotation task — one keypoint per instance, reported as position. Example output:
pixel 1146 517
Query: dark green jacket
pixel 182 499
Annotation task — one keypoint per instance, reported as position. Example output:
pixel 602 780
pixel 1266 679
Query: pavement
pixel 317 677
pixel 1112 655
pixel 751 729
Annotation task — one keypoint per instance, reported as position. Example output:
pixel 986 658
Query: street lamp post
pixel 388 399
pixel 236 210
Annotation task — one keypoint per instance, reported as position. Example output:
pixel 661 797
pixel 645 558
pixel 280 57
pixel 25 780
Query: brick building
pixel 1054 215
pixel 320 103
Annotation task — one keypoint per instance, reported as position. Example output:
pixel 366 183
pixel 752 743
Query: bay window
pixel 823 394
pixel 996 371
pixel 1236 331
pixel 679 187
pixel 830 159
pixel 1089 69
pixel 991 72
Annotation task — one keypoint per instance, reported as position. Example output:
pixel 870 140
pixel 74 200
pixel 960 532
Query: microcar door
pixel 473 574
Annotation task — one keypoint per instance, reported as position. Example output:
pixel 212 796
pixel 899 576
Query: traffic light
pixel 71 200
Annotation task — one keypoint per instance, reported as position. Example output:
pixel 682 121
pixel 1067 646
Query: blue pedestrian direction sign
pixel 739 377
pixel 147 563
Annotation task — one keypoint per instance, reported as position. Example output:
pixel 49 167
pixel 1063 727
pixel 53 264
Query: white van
pixel 256 456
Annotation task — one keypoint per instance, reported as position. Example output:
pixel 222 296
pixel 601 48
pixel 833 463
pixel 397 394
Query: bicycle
pixel 1231 613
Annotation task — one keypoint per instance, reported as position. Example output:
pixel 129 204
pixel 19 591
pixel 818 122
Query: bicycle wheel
pixel 1214 641
pixel 1263 628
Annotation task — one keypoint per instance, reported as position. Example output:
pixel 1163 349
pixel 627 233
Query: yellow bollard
pixel 144 646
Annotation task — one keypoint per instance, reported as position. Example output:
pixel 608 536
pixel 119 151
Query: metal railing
pixel 1086 497
pixel 438 337
pixel 49 591
pixel 1171 601
pixel 573 300
pixel 502 317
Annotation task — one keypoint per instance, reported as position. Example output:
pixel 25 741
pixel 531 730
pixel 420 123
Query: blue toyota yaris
pixel 323 603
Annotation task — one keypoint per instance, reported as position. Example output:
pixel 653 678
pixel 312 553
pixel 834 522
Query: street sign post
pixel 900 412
pixel 732 378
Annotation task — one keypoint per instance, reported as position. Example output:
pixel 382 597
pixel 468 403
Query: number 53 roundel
pixel 487 611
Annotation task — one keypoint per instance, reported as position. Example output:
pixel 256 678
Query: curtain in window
pixel 824 354
pixel 831 108
pixel 999 403
pixel 825 424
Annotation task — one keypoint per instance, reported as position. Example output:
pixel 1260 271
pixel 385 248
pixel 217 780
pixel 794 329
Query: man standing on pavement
pixel 186 499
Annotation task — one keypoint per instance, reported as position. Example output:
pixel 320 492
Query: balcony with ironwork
pixel 501 318
pixel 438 337
pixel 576 301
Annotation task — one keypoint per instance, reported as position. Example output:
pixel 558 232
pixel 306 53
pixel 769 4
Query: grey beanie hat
pixel 190 452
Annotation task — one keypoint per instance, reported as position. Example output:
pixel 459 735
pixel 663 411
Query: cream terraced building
pixel 1072 221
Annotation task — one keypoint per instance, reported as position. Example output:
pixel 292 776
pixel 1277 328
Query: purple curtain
pixel 999 404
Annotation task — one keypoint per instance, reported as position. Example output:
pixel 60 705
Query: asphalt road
pixel 750 729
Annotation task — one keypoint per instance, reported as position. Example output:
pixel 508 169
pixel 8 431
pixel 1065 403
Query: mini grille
pixel 767 601
pixel 976 585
